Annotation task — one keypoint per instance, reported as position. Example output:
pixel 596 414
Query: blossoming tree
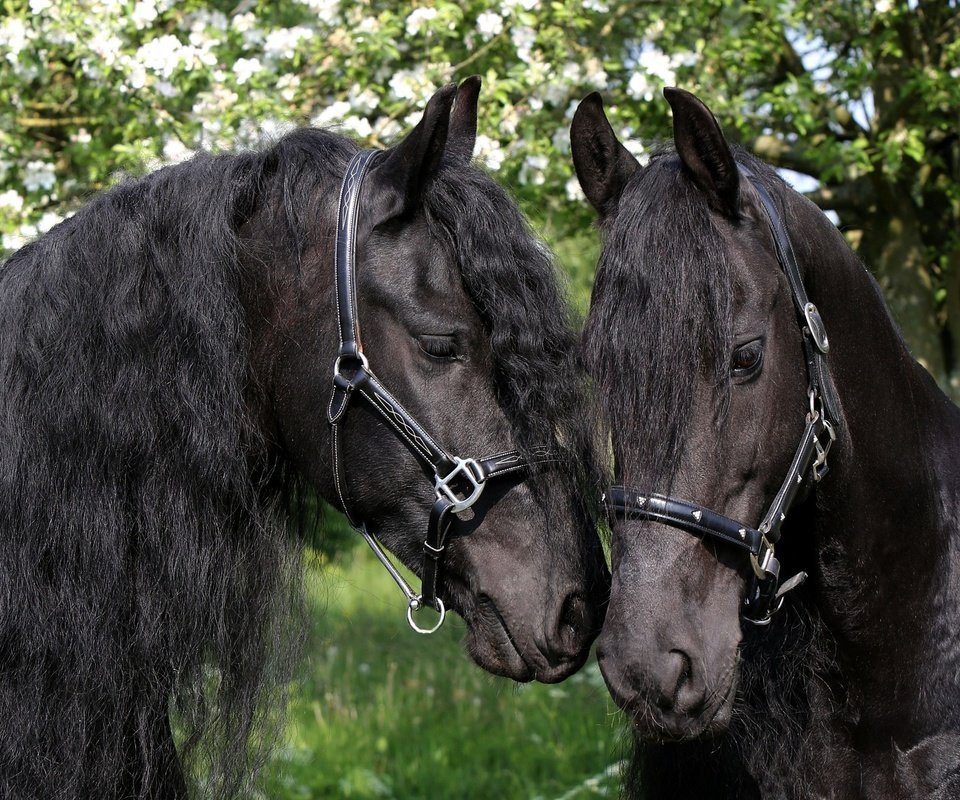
pixel 860 96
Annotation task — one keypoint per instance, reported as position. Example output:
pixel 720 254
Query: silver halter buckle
pixel 470 469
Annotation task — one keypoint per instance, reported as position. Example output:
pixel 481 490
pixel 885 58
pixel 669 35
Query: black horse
pixel 706 343
pixel 166 362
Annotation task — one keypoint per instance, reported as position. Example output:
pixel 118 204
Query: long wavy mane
pixel 147 563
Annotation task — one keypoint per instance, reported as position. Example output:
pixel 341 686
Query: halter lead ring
pixel 458 482
pixel 765 594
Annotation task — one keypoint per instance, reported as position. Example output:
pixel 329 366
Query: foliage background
pixel 858 98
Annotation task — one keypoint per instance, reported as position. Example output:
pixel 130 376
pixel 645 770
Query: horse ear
pixel 704 150
pixel 397 181
pixel 463 120
pixel 602 163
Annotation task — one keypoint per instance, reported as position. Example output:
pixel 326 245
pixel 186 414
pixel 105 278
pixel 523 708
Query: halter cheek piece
pixel 765 593
pixel 458 482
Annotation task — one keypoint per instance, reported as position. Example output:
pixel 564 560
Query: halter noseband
pixel 458 482
pixel 765 594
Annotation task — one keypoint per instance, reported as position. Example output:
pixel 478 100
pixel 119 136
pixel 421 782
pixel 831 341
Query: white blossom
pixel 107 46
pixel 175 151
pixel 144 12
pixel 561 139
pixel 288 85
pixel 489 152
pixel 39 175
pixel 508 7
pixel 326 10
pixel 366 101
pixel 596 75
pixel 359 126
pixel 368 25
pixel 574 191
pixel 162 55
pixel 331 115
pixel 11 200
pixel 531 171
pixel 639 87
pixel 417 18
pixel 523 38
pixel 883 6
pixel 387 128
pixel 596 5
pixel 13 38
pixel 411 84
pixel 489 24
pixel 283 42
pixel 243 23
pixel 37 7
pixel 47 221
pixel 246 68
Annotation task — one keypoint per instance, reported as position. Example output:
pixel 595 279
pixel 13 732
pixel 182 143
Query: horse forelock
pixel 511 279
pixel 660 321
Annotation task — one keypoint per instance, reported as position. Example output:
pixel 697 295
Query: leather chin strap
pixel 765 593
pixel 458 482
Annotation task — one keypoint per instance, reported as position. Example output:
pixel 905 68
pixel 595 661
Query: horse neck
pixel 887 514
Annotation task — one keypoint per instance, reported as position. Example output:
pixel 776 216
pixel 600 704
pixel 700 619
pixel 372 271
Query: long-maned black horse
pixel 166 373
pixel 741 349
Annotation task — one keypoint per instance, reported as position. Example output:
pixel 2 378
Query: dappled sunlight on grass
pixel 379 712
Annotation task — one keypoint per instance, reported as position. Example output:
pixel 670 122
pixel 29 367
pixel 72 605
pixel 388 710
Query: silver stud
pixel 697 515
pixel 782 516
pixel 743 533
pixel 799 478
pixel 641 501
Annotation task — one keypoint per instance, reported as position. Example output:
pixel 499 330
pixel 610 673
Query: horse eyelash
pixel 439 347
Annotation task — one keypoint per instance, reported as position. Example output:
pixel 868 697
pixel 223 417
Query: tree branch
pixel 782 154
pixel 854 196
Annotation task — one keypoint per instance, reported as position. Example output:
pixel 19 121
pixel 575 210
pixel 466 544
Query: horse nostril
pixel 681 689
pixel 574 625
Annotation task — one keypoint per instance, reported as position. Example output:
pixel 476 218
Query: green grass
pixel 380 712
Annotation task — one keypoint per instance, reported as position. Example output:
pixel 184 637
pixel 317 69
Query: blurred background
pixel 858 102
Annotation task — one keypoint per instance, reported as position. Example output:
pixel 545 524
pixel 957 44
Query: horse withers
pixel 784 619
pixel 167 396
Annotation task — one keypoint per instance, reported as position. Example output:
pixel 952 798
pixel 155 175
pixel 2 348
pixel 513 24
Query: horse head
pixel 462 320
pixel 694 342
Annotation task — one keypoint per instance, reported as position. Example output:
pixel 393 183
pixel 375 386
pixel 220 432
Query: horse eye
pixel 441 347
pixel 747 358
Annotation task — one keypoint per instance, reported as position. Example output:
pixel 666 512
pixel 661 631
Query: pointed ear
pixel 396 182
pixel 463 120
pixel 704 151
pixel 603 164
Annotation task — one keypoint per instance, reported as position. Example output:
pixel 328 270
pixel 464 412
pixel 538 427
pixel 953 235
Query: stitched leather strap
pixel 622 501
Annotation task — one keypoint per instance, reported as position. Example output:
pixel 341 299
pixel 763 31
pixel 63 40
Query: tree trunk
pixel 892 248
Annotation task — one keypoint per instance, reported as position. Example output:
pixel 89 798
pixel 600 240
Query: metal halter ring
pixel 364 364
pixel 415 604
pixel 470 469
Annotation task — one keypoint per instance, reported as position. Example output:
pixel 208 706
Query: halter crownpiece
pixel 458 482
pixel 765 594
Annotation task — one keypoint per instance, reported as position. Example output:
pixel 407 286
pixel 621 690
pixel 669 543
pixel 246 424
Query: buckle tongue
pixel 470 470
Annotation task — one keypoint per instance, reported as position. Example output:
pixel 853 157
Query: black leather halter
pixel 458 482
pixel 765 593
